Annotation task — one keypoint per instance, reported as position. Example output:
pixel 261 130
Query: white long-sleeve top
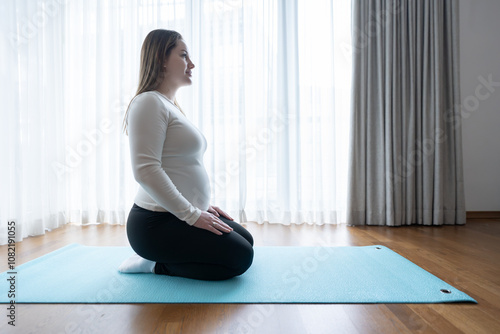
pixel 166 151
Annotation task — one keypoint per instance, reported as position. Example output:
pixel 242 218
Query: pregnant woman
pixel 171 226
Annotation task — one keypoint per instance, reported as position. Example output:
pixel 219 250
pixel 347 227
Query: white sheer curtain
pixel 271 94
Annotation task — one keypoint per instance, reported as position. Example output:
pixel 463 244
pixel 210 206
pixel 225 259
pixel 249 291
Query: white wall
pixel 480 57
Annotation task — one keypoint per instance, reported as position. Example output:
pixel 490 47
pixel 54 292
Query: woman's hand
pixel 210 222
pixel 217 212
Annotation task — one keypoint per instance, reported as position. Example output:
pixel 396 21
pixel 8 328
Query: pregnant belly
pixel 194 185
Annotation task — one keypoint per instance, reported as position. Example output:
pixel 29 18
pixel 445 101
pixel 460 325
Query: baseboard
pixel 483 215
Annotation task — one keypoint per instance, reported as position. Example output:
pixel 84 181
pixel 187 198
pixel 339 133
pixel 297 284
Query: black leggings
pixel 187 251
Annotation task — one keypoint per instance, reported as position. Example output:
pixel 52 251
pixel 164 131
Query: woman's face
pixel 178 66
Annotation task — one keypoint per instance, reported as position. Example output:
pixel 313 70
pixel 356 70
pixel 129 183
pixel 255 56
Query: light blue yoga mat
pixel 371 274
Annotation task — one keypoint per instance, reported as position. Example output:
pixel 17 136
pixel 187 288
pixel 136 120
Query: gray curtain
pixel 406 149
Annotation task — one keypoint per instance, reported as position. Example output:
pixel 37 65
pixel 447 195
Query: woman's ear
pixel 162 61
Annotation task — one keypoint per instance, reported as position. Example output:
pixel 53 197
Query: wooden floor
pixel 467 257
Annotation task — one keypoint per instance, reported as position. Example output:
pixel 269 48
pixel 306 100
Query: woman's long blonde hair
pixel 156 48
